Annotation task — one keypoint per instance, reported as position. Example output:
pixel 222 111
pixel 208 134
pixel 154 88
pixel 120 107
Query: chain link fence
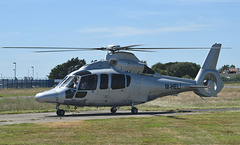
pixel 25 83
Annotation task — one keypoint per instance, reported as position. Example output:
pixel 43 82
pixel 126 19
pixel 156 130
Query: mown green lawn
pixel 21 92
pixel 213 128
pixel 235 83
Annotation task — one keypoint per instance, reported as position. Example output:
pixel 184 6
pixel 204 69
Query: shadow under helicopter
pixel 171 114
pixel 123 113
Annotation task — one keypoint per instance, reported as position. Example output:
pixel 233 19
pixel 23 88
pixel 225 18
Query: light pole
pixel 32 72
pixel 15 70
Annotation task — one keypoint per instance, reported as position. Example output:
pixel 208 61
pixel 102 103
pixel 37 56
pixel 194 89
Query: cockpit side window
pixel 104 81
pixel 88 82
pixel 118 81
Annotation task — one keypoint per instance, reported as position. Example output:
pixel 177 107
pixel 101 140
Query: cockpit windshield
pixel 69 82
pixel 72 80
pixel 63 80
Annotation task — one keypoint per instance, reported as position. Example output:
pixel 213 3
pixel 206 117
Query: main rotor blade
pixel 57 51
pixel 131 46
pixel 100 48
pixel 126 48
pixel 175 48
pixel 182 48
pixel 139 50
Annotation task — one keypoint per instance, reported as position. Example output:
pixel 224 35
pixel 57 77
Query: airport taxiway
pixel 83 115
pixel 88 115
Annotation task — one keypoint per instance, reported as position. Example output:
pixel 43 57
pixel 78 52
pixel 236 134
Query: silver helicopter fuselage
pixel 122 80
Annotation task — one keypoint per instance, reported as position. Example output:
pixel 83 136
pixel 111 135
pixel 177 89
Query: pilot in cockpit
pixel 75 82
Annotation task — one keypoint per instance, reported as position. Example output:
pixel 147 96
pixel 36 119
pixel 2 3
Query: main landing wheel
pixel 60 112
pixel 134 110
pixel 113 110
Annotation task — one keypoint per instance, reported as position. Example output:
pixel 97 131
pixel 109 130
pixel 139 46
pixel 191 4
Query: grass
pixel 21 92
pixel 214 128
pixel 234 83
pixel 227 98
pixel 23 105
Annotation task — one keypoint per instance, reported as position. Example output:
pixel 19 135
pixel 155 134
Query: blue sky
pixel 97 23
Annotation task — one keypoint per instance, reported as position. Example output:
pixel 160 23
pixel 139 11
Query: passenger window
pixel 118 81
pixel 88 83
pixel 128 80
pixel 104 81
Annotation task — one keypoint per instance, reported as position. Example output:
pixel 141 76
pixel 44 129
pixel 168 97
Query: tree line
pixel 176 69
pixel 61 70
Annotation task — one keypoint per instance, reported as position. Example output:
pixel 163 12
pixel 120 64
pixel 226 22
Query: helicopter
pixel 123 80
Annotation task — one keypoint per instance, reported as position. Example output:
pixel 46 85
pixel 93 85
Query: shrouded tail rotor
pixel 212 81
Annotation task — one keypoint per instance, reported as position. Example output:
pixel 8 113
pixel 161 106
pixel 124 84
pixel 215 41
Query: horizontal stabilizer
pixel 198 86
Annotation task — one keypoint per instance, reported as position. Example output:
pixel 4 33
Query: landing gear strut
pixel 134 110
pixel 60 112
pixel 113 110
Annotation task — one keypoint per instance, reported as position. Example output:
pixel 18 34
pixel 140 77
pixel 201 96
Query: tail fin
pixel 208 75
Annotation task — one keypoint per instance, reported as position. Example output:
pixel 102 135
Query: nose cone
pixel 47 97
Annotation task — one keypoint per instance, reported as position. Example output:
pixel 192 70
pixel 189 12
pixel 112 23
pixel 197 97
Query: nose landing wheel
pixel 60 112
